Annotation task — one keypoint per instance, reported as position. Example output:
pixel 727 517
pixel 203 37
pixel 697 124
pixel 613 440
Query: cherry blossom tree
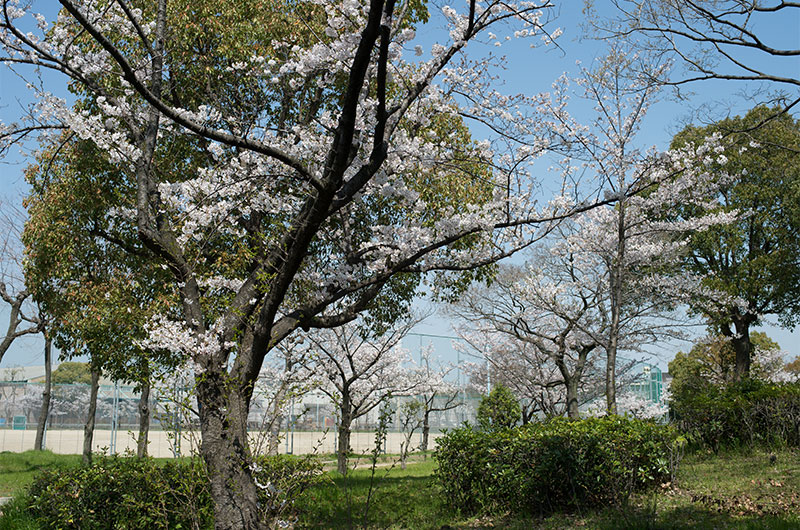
pixel 410 415
pixel 282 379
pixel 550 312
pixel 294 171
pixel 517 365
pixel 729 40
pixel 636 241
pixel 24 317
pixel 436 393
pixel 301 205
pixel 358 371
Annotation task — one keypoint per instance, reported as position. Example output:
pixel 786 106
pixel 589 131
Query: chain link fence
pixel 308 424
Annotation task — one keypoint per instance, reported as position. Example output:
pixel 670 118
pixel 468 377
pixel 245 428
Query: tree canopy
pixel 750 265
pixel 712 361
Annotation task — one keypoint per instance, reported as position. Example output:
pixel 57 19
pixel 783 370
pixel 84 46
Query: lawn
pixel 733 490
pixel 17 469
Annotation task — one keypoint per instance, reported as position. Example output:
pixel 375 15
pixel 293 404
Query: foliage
pixel 555 465
pixel 72 372
pixel 282 480
pixel 499 410
pixel 750 265
pixel 793 367
pixel 748 413
pixel 712 361
pixel 142 493
pixel 123 492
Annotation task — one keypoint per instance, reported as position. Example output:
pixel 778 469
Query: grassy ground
pixel 735 490
pixel 17 469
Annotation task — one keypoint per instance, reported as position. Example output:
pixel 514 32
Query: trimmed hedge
pixel 749 413
pixel 556 465
pixel 135 493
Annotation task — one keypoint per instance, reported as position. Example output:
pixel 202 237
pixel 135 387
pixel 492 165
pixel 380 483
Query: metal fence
pixel 308 424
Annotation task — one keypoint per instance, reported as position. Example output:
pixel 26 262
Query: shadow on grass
pixel 694 517
pixel 397 502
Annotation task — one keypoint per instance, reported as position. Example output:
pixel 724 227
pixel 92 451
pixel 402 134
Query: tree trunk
pixel 343 448
pixel 274 436
pixel 38 445
pixel 742 347
pixel 88 429
pixel 616 283
pixel 144 419
pixel 572 398
pixel 223 423
pixel 426 430
pixel 277 416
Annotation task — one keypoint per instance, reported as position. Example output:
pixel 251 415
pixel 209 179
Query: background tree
pixel 88 268
pixel 435 393
pixel 359 369
pixel 752 262
pixel 23 316
pixel 44 411
pixel 410 416
pixel 631 241
pixel 793 368
pixel 72 373
pixel 498 410
pixel 712 361
pixel 727 40
pixel 547 309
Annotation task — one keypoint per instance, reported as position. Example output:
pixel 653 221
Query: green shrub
pixel 499 410
pixel 130 493
pixel 555 465
pixel 282 480
pixel 123 493
pixel 749 413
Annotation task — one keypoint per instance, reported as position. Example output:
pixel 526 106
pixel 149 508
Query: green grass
pixel 17 469
pixel 400 499
pixel 733 490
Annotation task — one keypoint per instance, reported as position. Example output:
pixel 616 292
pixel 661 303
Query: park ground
pixel 740 490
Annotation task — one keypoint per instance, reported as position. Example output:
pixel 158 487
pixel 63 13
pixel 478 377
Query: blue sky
pixel 529 71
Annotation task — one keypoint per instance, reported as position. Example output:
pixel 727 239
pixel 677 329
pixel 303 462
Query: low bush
pixel 131 493
pixel 556 465
pixel 750 413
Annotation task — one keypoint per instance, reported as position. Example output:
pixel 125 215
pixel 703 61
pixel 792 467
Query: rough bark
pixel 572 398
pixel 274 439
pixel 88 429
pixel 343 442
pixel 740 340
pixel 144 419
pixel 426 430
pixel 38 445
pixel 223 424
